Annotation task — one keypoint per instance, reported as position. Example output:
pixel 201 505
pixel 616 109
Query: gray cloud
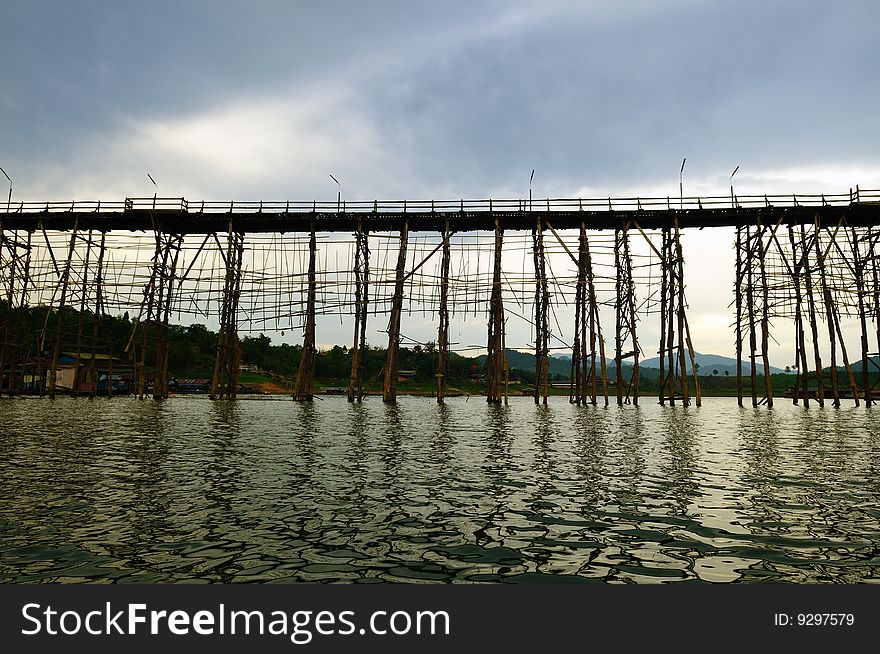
pixel 401 99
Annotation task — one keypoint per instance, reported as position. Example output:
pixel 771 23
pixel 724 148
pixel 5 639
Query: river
pixel 269 490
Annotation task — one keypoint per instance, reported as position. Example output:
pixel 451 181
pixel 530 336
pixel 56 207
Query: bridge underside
pixel 193 221
pixel 812 262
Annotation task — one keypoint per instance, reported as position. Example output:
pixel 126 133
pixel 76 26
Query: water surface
pixel 269 490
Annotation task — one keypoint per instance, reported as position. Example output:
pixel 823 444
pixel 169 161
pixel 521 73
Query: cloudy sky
pixel 401 99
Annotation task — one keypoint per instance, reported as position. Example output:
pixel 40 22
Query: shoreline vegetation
pixel 271 369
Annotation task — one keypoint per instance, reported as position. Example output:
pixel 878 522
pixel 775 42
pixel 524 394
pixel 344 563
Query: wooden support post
pixel 859 265
pixel 443 330
pixel 156 310
pixel 496 359
pixel 811 311
pixel 81 315
pixel 542 304
pixel 800 353
pixel 765 318
pixel 65 282
pixel 665 314
pixel 7 281
pixel 361 291
pixel 389 393
pixel 751 240
pixel 676 274
pixel 831 314
pixel 98 322
pixel 675 342
pixel 685 346
pixel 14 284
pixel 160 386
pixel 579 377
pixel 227 361
pixel 588 330
pixel 304 388
pixel 576 391
pixel 625 319
pixel 739 313
pixel 872 256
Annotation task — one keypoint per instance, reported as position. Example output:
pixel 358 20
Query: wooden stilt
pixel 811 312
pixel 156 312
pixel 739 313
pixel 665 315
pixel 580 373
pixel 390 388
pixel 361 290
pixel 542 303
pixel 227 361
pixel 304 389
pixel 859 266
pixel 496 359
pixel 65 282
pixel 678 275
pixel 751 259
pixel 625 319
pixel 872 256
pixel 15 256
pixel 765 318
pixel 443 330
pixel 803 371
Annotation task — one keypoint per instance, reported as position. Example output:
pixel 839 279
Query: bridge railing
pixel 181 205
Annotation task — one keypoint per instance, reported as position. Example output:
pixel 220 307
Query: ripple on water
pixel 189 490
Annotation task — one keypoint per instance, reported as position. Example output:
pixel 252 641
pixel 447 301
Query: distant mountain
pixel 560 364
pixel 526 361
pixel 708 363
pixel 873 364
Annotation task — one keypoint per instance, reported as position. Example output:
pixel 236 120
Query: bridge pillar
pixel 389 393
pixel 866 249
pixel 542 307
pixel 361 292
pixel 15 258
pixel 224 382
pixel 152 363
pixel 803 294
pixel 738 302
pixel 91 290
pixel 59 312
pixel 304 389
pixel 626 339
pixel 676 348
pixel 832 320
pixel 753 295
pixel 587 331
pixel 496 360
pixel 443 329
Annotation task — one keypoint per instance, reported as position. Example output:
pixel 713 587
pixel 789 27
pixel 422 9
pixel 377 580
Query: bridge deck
pixel 177 215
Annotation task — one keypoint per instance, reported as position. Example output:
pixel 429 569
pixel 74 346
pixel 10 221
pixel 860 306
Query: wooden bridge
pixel 859 208
pixel 808 258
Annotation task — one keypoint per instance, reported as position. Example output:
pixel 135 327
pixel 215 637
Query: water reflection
pixel 591 448
pixel 189 489
pixel 628 459
pixel 679 459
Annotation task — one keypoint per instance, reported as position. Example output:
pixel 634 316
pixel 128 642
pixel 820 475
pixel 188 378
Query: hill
pixel 707 364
